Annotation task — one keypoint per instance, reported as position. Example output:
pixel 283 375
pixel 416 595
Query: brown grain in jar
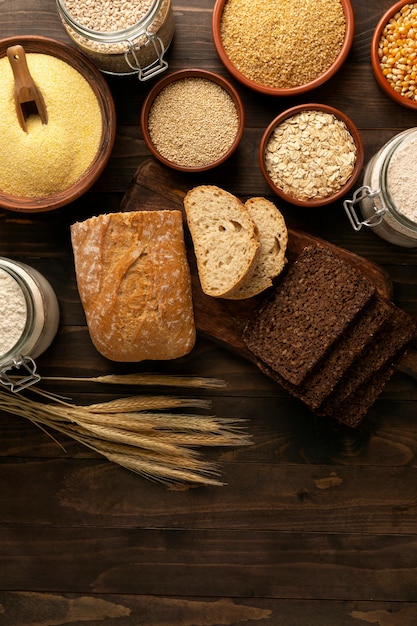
pixel 121 37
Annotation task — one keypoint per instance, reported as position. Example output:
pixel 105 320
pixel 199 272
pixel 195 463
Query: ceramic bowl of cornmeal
pixel 48 161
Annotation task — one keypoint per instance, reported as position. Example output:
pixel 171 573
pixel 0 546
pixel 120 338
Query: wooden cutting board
pixel 156 187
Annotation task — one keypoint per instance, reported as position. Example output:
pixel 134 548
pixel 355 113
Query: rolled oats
pixel 310 155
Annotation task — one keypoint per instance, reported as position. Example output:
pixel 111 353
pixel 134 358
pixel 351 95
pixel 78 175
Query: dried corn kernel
pixel 397 51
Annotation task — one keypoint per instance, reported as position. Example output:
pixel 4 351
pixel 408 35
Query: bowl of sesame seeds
pixel 282 48
pixel 311 155
pixel 394 53
pixel 192 120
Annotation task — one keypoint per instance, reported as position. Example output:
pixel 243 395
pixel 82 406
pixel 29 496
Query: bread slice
pixel 352 410
pixel 134 283
pixel 351 345
pixel 225 239
pixel 361 391
pixel 273 237
pixel 395 334
pixel 309 310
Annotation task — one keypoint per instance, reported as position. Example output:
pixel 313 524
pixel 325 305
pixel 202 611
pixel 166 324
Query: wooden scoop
pixel 27 96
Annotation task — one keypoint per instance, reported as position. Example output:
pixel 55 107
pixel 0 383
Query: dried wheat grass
pixel 135 433
pixel 164 380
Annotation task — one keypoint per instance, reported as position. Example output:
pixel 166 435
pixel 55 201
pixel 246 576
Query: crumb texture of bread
pixel 350 346
pixel 225 239
pixel 273 239
pixel 313 304
pixel 134 283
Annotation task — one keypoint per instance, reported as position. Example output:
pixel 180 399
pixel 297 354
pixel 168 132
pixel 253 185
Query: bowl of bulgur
pixel 49 165
pixel 192 120
pixel 311 155
pixel 283 48
pixel 394 53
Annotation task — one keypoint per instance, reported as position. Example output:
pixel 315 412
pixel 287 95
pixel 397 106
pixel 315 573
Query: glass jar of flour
pixel 388 197
pixel 121 37
pixel 29 318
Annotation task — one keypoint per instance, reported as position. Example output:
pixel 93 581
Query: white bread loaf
pixel 134 283
pixel 225 238
pixel 273 237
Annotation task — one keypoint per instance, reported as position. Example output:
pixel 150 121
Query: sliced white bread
pixel 225 239
pixel 273 237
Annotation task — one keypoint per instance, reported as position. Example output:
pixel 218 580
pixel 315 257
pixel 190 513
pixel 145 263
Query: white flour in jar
pixel 402 178
pixel 13 312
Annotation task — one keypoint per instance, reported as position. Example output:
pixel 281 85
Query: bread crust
pixel 273 239
pixel 134 283
pixel 225 239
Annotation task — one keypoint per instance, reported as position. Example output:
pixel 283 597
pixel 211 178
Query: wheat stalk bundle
pixel 164 380
pixel 138 433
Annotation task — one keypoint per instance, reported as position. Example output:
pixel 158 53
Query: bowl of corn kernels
pixel 282 48
pixel 311 154
pixel 192 120
pixel 394 53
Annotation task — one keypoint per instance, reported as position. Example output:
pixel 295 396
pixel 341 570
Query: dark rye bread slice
pixel 330 370
pixel 352 410
pixel 311 307
pixel 395 334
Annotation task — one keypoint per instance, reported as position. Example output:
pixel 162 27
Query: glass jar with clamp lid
pixel 388 197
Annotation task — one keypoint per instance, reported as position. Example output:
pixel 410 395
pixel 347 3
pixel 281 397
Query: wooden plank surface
pixel 316 525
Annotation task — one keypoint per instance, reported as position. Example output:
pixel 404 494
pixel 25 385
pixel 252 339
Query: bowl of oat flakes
pixel 394 53
pixel 192 120
pixel 311 155
pixel 282 48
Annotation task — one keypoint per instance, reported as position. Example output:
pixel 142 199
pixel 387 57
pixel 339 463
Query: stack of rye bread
pixel 322 330
pixel 328 337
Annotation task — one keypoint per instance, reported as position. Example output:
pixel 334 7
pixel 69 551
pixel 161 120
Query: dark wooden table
pixel 316 526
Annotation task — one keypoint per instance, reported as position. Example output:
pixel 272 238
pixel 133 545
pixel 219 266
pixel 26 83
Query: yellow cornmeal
pixel 47 158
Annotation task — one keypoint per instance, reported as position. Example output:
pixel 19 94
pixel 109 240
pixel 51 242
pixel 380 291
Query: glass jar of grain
pixel 121 37
pixel 388 197
pixel 29 318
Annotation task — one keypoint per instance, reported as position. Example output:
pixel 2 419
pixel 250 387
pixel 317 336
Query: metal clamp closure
pixel 27 373
pixel 151 70
pixel 361 194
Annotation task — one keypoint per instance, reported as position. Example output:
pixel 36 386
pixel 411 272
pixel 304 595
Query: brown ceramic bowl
pixel 64 52
pixel 277 91
pixel 179 76
pixel 379 76
pixel 337 193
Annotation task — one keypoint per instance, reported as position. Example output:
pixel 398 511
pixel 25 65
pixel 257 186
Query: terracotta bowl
pixel 291 91
pixel 379 76
pixel 178 76
pixel 64 52
pixel 337 193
